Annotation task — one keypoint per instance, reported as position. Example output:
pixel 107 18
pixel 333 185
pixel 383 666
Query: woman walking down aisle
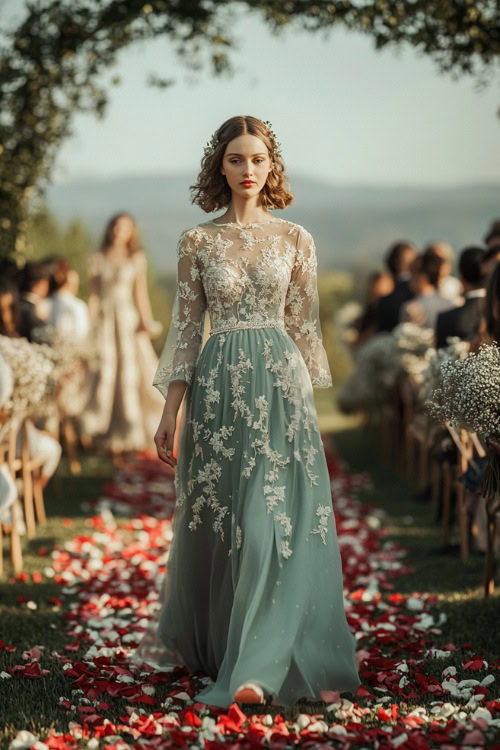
pixel 123 407
pixel 253 596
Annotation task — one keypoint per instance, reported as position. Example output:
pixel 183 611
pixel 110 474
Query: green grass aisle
pixel 426 638
pixel 458 586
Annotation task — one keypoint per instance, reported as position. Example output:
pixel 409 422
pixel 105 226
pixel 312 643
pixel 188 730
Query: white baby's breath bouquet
pixel 377 370
pixel 32 372
pixel 414 346
pixel 59 349
pixel 431 378
pixel 66 351
pixel 469 398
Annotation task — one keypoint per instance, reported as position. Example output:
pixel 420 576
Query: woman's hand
pixel 164 439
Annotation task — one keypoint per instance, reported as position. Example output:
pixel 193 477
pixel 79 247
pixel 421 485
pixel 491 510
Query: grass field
pixel 30 613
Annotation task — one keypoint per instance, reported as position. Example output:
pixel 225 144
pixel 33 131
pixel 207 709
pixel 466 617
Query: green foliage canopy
pixel 50 65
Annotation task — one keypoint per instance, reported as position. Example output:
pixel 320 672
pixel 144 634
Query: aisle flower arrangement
pixel 381 362
pixel 33 372
pixel 468 398
pixel 377 370
pixel 431 377
pixel 414 349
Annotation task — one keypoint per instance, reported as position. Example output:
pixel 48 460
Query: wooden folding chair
pixel 420 433
pixel 406 392
pixel 32 485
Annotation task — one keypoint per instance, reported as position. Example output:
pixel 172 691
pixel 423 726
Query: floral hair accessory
pixel 211 145
pixel 277 144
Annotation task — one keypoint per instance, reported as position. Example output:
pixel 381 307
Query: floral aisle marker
pixel 108 580
pixel 468 398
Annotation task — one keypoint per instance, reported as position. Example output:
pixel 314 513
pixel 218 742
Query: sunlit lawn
pixel 32 704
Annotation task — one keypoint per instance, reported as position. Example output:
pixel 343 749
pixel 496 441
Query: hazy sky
pixel 343 112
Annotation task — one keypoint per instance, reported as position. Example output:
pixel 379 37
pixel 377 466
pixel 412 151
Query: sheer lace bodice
pixel 245 276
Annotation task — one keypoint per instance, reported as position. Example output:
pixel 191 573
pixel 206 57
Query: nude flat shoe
pixel 249 693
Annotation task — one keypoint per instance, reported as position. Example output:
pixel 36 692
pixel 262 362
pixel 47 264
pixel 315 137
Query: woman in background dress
pixel 123 408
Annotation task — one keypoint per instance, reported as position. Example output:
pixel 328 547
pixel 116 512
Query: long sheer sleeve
pixel 183 343
pixel 302 311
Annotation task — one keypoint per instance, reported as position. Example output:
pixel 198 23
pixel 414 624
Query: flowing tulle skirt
pixel 253 590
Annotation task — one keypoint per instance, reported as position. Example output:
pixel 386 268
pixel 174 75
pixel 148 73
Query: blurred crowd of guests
pixel 42 294
pixel 419 287
pixel 113 402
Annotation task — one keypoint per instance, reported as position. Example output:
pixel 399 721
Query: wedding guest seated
pixel 9 307
pixel 6 384
pixel 489 328
pixel 423 309
pixel 380 284
pixel 34 290
pixel 463 320
pixel 449 286
pixel 492 237
pixel 398 261
pixel 9 270
pixel 40 443
pixel 489 333
pixel 68 314
pixel 490 260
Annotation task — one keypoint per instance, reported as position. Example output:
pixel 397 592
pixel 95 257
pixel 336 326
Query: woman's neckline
pixel 250 224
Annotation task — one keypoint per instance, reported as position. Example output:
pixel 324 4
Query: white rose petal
pixel 397 741
pixel 182 696
pixel 23 741
pixel 482 713
pixel 414 604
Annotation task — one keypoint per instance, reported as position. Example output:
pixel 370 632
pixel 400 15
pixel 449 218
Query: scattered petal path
pixel 109 579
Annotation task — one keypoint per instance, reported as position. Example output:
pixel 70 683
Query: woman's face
pixel 122 229
pixel 246 158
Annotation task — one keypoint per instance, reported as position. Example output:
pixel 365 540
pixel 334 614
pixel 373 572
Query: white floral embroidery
pixel 244 276
pixel 238 389
pixel 238 537
pixel 209 476
pixel 285 522
pixel 274 496
pixel 323 511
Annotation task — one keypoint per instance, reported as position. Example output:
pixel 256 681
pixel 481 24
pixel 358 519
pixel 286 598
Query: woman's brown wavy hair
pixel 133 244
pixel 212 192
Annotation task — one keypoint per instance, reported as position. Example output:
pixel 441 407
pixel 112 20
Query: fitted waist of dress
pixel 244 324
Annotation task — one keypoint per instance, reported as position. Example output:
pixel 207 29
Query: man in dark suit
pixel 399 259
pixel 34 288
pixel 463 321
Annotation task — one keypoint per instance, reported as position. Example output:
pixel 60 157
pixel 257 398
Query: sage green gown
pixel 253 590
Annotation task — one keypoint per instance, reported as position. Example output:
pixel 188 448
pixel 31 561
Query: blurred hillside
pixel 352 226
